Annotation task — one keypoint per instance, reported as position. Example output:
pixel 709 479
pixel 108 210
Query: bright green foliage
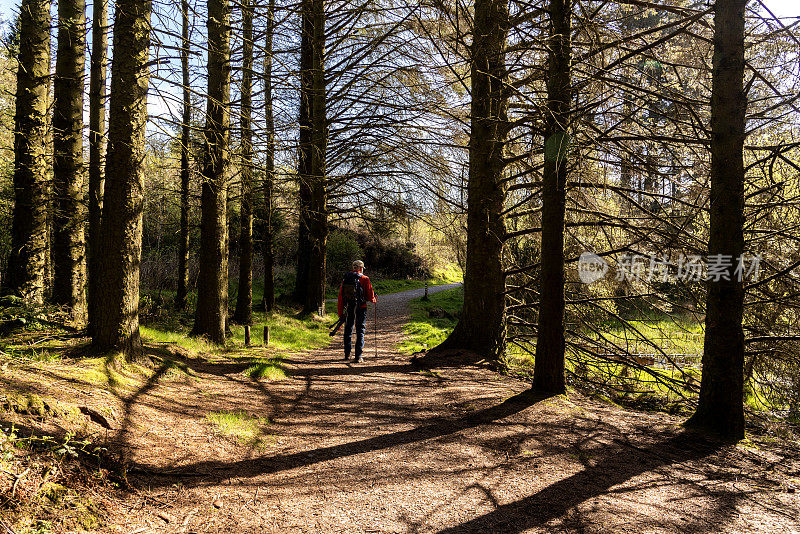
pixel 425 331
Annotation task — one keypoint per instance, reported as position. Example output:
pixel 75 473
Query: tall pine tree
pixel 244 296
pixel 97 151
pixel 26 263
pixel 720 407
pixel 482 326
pixel 117 326
pixel 69 260
pixel 548 374
pixel 313 197
pixel 211 314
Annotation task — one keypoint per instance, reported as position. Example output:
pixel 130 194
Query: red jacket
pixel 369 294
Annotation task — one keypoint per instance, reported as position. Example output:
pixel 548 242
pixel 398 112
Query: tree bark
pixel 69 262
pixel 720 407
pixel 313 220
pixel 97 151
pixel 269 170
pixel 212 283
pixel 121 235
pixel 481 328
pixel 548 374
pixel 244 295
pixel 183 241
pixel 26 264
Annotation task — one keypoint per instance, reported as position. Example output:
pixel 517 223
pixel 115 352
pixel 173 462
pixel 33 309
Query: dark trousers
pixel 360 320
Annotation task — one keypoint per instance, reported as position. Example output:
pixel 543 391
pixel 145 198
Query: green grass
pixel 423 331
pixel 267 368
pixel 288 332
pixel 239 426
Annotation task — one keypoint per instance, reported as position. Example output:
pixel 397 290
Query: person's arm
pixel 368 291
pixel 339 307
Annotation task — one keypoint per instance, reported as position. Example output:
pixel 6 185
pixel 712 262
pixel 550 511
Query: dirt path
pixel 379 447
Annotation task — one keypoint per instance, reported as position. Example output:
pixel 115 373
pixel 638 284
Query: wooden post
pixel 426 291
pixel 266 335
pixel 247 335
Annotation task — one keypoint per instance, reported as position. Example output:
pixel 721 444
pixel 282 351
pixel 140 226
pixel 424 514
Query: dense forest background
pixel 279 141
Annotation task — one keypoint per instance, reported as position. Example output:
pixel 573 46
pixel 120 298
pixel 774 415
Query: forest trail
pixel 380 447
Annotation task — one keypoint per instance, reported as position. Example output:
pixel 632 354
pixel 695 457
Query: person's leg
pixel 348 332
pixel 361 326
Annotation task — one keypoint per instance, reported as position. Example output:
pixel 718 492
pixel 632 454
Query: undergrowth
pixel 52 484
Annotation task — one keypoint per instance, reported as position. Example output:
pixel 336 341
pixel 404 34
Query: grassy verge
pixel 288 332
pixel 432 320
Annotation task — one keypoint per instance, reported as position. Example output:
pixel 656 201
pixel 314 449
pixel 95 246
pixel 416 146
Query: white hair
pixel 358 264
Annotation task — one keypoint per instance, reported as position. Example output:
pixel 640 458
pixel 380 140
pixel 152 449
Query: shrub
pixel 343 250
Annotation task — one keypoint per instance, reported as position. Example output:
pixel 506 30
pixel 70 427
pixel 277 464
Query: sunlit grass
pixel 181 338
pixel 288 332
pixel 423 331
pixel 268 369
pixel 239 426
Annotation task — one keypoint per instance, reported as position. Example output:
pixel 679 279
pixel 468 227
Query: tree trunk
pixel 244 295
pixel 183 242
pixel 482 326
pixel 269 171
pixel 97 151
pixel 69 265
pixel 313 223
pixel 548 375
pixel 117 325
pixel 26 263
pixel 720 407
pixel 212 283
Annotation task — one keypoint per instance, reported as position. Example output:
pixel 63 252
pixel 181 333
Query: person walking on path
pixel 355 292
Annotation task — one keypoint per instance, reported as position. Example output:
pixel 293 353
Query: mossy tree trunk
pixel 548 374
pixel 212 283
pixel 69 260
pixel 720 408
pixel 482 326
pixel 97 149
pixel 121 234
pixel 26 264
pixel 244 296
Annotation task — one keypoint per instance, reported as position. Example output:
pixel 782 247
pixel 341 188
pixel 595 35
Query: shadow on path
pixel 274 464
pixel 618 464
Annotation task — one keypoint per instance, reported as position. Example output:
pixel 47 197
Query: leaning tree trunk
pixel 117 325
pixel 313 224
pixel 482 326
pixel 548 373
pixel 269 166
pixel 26 263
pixel 244 296
pixel 97 147
pixel 720 407
pixel 212 283
pixel 69 265
pixel 183 242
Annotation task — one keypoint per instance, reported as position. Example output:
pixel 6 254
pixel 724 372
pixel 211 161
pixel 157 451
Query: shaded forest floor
pixel 382 447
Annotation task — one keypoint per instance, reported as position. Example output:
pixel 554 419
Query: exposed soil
pixel 381 447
